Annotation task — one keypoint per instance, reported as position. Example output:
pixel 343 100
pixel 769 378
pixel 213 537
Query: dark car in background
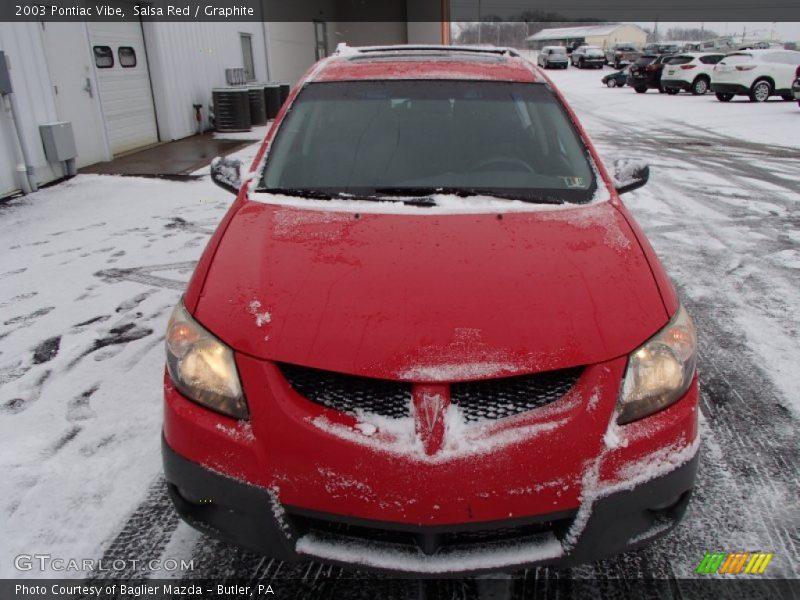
pixel 645 73
pixel 588 56
pixel 616 79
pixel 622 54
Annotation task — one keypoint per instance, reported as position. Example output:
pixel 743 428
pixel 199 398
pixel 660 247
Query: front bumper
pixel 282 482
pixel 619 519
pixel 730 88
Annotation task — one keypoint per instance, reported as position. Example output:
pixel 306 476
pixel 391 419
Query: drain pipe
pixel 25 173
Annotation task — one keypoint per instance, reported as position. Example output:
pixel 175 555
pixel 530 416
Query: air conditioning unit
pixel 232 108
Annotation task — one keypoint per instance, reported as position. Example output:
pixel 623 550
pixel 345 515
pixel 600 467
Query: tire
pixel 724 96
pixel 640 89
pixel 617 66
pixel 612 83
pixel 581 64
pixel 761 91
pixel 672 91
pixel 661 90
pixel 700 86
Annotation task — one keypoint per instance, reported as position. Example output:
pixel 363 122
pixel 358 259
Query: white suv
pixel 690 71
pixel 755 73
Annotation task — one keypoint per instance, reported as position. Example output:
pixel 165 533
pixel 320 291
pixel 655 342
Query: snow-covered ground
pixel 90 269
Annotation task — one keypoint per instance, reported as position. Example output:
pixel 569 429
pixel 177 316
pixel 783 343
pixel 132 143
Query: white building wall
pixel 187 60
pixel 22 44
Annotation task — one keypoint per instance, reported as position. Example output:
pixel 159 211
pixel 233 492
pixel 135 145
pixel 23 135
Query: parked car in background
pixel 758 74
pixel 690 72
pixel 645 73
pixel 553 57
pixel 622 54
pixel 796 86
pixel 588 56
pixel 662 48
pixel 616 79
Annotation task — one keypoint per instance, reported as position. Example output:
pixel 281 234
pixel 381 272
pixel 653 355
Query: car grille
pixel 489 399
pixel 428 539
pixel 508 396
pixel 349 393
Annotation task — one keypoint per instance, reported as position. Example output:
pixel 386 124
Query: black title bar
pixel 401 10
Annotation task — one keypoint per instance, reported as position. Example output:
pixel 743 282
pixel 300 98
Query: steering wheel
pixel 506 160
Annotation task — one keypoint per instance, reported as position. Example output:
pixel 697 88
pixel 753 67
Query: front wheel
pixel 640 89
pixel 612 83
pixel 724 96
pixel 617 66
pixel 699 87
pixel 761 91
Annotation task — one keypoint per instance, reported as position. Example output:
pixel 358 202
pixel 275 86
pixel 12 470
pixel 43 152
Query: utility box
pixel 5 76
pixel 58 141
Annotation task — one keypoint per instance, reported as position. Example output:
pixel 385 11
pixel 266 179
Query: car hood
pixel 431 297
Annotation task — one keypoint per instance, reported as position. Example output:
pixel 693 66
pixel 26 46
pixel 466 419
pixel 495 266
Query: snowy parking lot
pixel 90 269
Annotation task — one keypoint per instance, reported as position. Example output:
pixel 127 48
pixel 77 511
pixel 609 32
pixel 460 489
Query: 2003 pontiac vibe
pixel 428 336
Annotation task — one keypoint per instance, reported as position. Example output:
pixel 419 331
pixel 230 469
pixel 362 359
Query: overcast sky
pixel 788 32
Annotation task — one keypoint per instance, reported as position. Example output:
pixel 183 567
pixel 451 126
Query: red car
pixel 427 336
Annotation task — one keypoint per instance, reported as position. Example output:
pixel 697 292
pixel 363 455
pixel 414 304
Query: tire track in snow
pixel 143 536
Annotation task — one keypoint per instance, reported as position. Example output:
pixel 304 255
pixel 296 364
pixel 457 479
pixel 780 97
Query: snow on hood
pixel 443 204
pixel 379 295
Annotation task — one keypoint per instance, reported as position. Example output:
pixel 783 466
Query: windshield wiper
pixel 315 194
pixel 465 192
pixel 323 195
pixel 413 196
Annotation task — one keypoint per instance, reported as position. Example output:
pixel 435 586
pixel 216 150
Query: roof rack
pixel 344 50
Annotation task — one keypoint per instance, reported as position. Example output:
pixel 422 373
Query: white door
pixel 122 76
pixel 72 77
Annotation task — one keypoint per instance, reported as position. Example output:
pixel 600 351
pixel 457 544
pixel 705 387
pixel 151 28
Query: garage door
pixel 124 82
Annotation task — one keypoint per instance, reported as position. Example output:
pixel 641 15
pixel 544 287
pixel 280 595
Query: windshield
pixel 378 138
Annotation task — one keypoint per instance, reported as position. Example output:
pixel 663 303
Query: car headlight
pixel 660 371
pixel 202 367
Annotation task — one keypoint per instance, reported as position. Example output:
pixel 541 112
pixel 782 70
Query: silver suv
pixel 553 57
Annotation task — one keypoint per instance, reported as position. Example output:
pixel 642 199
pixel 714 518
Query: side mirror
pixel 226 173
pixel 630 175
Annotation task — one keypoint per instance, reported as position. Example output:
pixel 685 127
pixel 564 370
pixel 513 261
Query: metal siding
pixel 125 93
pixel 292 47
pixel 22 44
pixel 187 60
